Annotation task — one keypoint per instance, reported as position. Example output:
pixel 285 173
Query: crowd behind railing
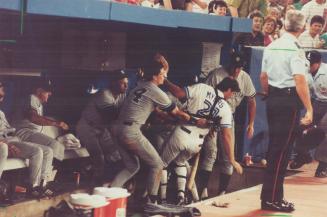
pixel 272 13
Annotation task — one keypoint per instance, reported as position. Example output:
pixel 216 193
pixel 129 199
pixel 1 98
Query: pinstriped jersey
pixel 200 102
pixel 102 100
pixel 244 81
pixel 30 103
pixel 142 100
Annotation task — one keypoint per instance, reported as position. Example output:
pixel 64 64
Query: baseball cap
pixel 237 59
pixel 117 75
pixel 45 84
pixel 313 56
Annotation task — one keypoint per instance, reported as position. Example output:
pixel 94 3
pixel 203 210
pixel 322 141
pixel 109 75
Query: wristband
pixel 192 120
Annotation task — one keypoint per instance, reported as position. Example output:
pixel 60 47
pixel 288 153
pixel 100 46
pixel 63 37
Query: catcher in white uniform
pixel 203 101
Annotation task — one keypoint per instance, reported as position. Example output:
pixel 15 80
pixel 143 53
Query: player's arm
pixel 226 121
pixel 252 107
pixel 299 71
pixel 264 82
pixel 177 91
pixel 229 142
pixel 35 118
pixel 201 122
pixel 164 116
pixel 302 90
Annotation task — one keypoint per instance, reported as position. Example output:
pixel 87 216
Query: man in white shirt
pixel 310 38
pixel 283 78
pixel 312 8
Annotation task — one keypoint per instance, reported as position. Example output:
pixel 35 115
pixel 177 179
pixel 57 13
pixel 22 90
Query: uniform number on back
pixel 138 94
pixel 205 111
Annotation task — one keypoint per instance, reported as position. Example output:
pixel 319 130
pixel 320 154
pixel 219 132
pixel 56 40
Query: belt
pixel 282 91
pixel 189 132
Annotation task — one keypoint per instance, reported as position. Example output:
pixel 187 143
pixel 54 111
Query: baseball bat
pixel 190 181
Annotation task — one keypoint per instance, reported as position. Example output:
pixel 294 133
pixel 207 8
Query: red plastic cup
pixel 117 198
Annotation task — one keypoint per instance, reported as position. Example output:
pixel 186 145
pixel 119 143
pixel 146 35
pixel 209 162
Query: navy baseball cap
pixel 117 75
pixel 313 56
pixel 237 59
pixel 45 84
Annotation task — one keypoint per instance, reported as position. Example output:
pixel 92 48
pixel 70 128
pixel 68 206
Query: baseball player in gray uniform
pixel 202 101
pixel 233 70
pixel 40 157
pixel 97 118
pixel 30 121
pixel 139 104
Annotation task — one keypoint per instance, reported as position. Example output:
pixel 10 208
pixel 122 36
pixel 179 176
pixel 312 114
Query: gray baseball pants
pixel 40 159
pixel 133 145
pixel 28 135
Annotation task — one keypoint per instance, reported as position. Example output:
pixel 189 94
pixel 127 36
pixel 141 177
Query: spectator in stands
pixel 312 8
pixel 278 30
pixel 201 9
pixel 269 27
pixel 274 12
pixel 243 8
pixel 275 4
pixel 217 7
pixel 40 157
pixel 182 4
pixel 255 38
pixel 30 120
pixel 310 38
pixel 298 5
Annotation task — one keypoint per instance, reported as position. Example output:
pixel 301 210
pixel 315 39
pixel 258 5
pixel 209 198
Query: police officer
pixel 283 78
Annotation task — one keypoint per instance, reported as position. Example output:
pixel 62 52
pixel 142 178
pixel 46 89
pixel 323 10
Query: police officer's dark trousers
pixel 283 108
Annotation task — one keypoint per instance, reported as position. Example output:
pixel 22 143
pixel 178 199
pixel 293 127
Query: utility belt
pixel 189 132
pixel 275 91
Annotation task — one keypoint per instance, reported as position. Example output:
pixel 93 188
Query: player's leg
pixel 209 156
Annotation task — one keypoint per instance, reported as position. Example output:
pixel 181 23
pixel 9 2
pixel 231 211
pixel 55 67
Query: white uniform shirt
pixel 320 83
pixel 201 98
pixel 306 40
pixel 35 104
pixel 141 102
pixel 6 129
pixel 101 100
pixel 4 125
pixel 244 81
pixel 282 59
pixel 311 9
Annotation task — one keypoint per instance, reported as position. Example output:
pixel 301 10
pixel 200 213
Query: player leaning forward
pixel 139 104
pixel 202 101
